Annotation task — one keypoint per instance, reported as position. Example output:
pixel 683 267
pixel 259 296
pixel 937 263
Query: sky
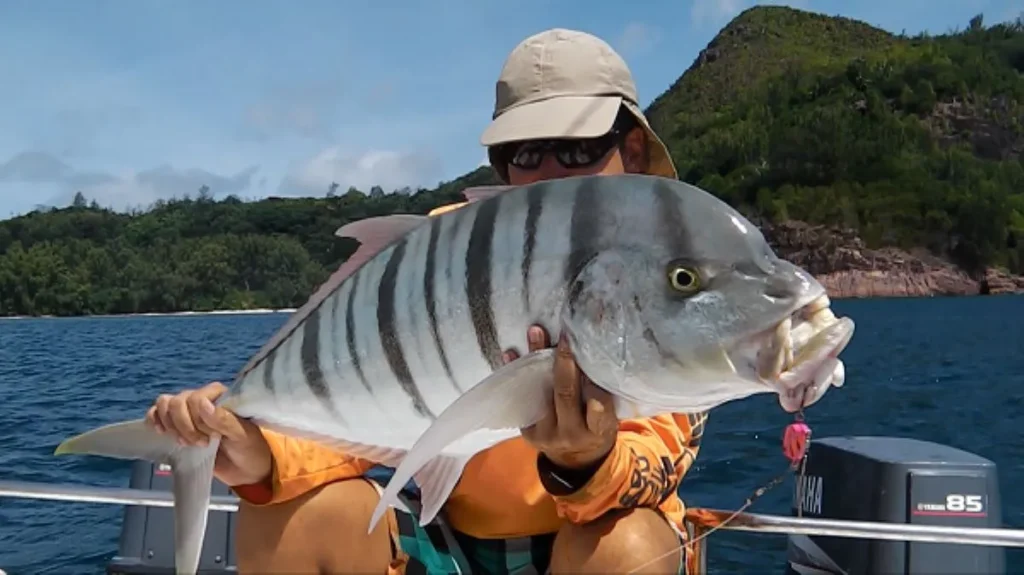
pixel 130 102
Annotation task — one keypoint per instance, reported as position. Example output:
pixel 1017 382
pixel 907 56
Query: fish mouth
pixel 798 357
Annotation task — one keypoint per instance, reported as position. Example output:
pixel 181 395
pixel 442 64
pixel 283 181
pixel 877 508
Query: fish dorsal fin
pixel 478 193
pixel 380 231
pixel 374 235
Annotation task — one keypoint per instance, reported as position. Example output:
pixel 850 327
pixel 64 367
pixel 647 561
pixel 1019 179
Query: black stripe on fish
pixel 388 330
pixel 671 223
pixel 534 207
pixel 478 280
pixel 350 333
pixel 430 297
pixel 575 290
pixel 309 355
pixel 449 238
pixel 584 227
pixel 268 370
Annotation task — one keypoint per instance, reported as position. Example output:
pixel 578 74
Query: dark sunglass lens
pixel 575 156
pixel 569 153
pixel 526 158
pixel 581 153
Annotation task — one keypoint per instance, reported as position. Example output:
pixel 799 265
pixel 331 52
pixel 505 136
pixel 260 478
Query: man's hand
pixel 243 457
pixel 581 427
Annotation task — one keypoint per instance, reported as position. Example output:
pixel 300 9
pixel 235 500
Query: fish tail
pixel 191 471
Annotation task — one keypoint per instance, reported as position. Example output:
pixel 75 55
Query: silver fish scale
pixel 525 245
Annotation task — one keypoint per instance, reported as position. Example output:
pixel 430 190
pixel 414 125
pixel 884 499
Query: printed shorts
pixel 438 548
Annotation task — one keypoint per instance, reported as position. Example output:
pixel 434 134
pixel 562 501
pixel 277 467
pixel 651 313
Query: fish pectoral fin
pixel 512 397
pixel 191 472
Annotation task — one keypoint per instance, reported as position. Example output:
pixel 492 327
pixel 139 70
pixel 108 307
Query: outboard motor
pixel 147 533
pixel 895 480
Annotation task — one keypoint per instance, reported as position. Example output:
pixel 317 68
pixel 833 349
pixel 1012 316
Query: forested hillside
pixel 789 115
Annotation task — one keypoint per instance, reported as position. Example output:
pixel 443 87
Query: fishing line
pixel 795 441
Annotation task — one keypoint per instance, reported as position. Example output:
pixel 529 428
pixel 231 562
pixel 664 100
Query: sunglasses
pixel 570 153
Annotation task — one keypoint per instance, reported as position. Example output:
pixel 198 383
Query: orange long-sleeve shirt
pixel 500 494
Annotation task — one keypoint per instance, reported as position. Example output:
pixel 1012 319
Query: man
pixel 579 491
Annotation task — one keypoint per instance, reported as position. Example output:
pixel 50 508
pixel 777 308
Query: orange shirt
pixel 500 494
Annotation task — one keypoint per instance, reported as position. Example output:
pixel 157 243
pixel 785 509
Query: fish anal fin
pixel 512 397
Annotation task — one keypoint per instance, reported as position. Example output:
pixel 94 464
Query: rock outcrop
pixel 848 269
pixel 997 282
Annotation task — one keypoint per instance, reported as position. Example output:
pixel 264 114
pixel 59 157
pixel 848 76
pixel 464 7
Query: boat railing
pixel 699 520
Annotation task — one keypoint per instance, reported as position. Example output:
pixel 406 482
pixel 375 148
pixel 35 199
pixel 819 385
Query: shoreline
pixel 261 311
pixel 839 295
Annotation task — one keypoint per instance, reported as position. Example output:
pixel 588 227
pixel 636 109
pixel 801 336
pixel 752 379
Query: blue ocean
pixel 944 370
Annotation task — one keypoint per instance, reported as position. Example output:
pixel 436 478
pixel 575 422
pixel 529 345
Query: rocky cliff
pixel 848 269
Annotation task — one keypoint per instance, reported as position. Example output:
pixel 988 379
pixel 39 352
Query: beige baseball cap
pixel 567 84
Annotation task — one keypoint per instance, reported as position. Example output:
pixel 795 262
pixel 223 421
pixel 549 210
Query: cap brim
pixel 659 159
pixel 562 117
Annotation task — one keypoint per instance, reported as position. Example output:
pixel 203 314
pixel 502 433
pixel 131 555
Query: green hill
pixel 788 115
pixel 909 141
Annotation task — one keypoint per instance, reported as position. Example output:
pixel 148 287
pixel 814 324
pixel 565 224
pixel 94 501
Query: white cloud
pixel 388 169
pixel 307 110
pixel 118 191
pixel 36 167
pixel 637 38
pixel 714 12
pixel 141 189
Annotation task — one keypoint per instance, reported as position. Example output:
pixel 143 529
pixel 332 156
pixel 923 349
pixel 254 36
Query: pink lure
pixel 794 442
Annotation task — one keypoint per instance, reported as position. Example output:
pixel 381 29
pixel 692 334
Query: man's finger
pixel 509 356
pixel 537 338
pixel 162 415
pixel 182 420
pixel 152 421
pixel 204 416
pixel 211 391
pixel 568 404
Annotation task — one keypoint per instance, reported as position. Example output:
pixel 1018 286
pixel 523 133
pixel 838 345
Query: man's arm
pixel 644 467
pixel 298 466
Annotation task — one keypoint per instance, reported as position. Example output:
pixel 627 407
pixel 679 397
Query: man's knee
pixel 318 532
pixel 618 542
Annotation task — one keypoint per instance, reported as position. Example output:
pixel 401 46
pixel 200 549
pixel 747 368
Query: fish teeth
pixel 775 357
pixel 814 318
pixel 787 348
pixel 788 339
pixel 819 312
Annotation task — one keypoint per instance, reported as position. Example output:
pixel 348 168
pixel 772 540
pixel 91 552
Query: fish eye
pixel 683 279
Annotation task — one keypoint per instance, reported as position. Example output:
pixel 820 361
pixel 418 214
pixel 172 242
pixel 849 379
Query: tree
pixel 204 194
pixel 911 142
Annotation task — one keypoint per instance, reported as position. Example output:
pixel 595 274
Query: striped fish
pixel 670 299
